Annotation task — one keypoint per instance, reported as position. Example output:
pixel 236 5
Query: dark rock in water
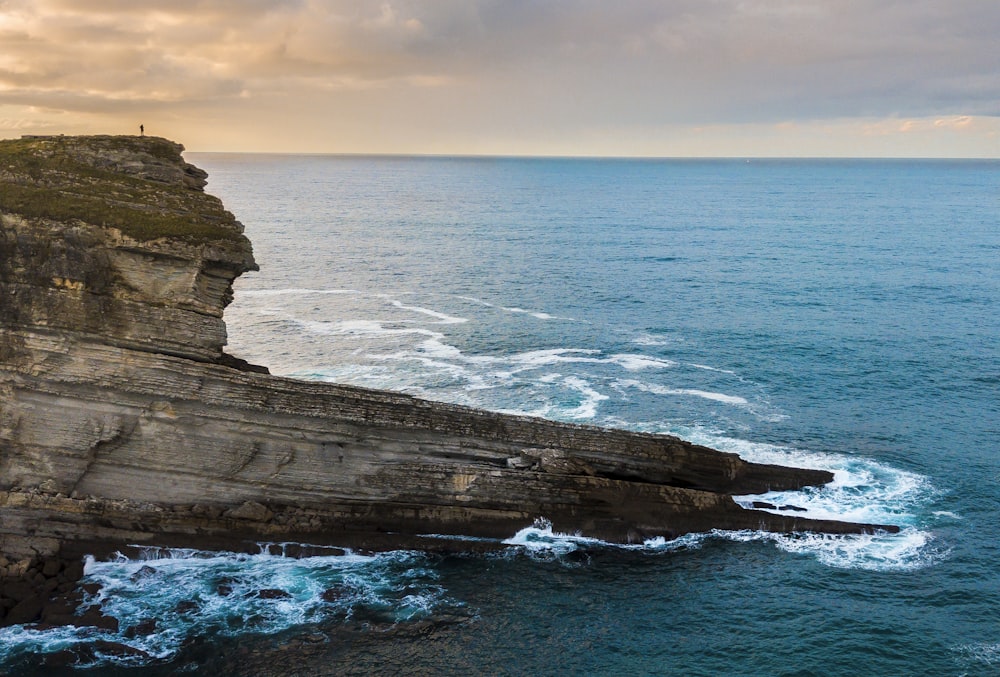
pixel 60 659
pixel 60 610
pixel 119 650
pixel 91 652
pixel 334 595
pixel 73 571
pixel 18 590
pixel 27 610
pixel 90 588
pixel 124 421
pixel 186 606
pixel 143 573
pixel 94 617
pixel 273 593
pixel 793 508
pixel 764 505
pixel 297 550
pixel 143 628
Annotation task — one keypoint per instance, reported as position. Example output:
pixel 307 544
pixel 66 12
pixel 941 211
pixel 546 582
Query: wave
pixel 759 407
pixel 539 541
pixel 361 347
pixel 526 376
pixel 537 314
pixel 863 490
pixel 520 383
pixel 189 594
pixel 655 340
pixel 514 309
pixel 586 384
pixel 165 598
pixel 641 362
pixel 705 367
pixel 541 382
pixel 664 390
pixel 906 551
pixel 442 317
pixel 473 299
pixel 361 329
pixel 978 655
pixel 587 408
pixel 294 291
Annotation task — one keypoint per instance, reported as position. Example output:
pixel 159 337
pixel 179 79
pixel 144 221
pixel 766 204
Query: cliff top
pixel 138 184
pixel 112 238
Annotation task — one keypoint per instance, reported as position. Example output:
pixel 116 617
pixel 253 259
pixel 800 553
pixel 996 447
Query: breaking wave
pixel 165 599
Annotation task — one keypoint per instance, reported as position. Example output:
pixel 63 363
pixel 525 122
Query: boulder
pixel 27 610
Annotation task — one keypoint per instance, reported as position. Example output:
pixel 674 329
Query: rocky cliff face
pixel 110 240
pixel 123 421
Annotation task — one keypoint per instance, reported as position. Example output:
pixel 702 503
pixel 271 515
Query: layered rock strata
pixel 122 420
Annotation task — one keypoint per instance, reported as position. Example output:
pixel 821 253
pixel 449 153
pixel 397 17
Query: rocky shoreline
pixel 123 421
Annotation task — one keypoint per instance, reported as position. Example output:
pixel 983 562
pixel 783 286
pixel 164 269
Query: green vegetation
pixel 137 223
pixel 81 178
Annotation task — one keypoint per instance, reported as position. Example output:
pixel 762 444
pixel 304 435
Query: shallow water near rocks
pixel 830 314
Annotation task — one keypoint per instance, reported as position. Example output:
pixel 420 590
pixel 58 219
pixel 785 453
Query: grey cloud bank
pixel 495 68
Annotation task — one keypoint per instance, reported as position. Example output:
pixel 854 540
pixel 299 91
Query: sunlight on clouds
pixel 202 50
pixel 23 124
pixel 954 123
pixel 957 122
pixel 431 81
pixel 959 136
pixel 389 19
pixel 481 76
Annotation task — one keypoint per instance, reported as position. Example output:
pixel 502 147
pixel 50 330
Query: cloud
pixel 19 124
pixel 124 50
pixel 514 65
pixel 955 122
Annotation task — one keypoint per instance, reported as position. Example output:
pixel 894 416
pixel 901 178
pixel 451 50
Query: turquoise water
pixel 836 314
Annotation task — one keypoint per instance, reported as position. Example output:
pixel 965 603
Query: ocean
pixel 838 314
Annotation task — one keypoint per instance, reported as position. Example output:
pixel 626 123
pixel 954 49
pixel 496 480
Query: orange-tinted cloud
pixel 495 67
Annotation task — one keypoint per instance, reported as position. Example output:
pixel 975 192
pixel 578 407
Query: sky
pixel 661 78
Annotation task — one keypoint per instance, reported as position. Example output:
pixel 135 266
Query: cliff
pixel 122 420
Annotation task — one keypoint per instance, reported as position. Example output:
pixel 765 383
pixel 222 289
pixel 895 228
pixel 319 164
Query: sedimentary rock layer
pixel 122 420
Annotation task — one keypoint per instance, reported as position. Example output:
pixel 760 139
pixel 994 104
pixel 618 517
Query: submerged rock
pixel 122 420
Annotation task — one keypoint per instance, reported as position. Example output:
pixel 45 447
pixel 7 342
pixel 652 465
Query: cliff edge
pixel 123 421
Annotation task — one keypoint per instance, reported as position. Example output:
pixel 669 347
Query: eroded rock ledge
pixel 122 420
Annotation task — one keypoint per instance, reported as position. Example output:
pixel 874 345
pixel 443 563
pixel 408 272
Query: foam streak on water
pixel 862 491
pixel 406 351
pixel 417 351
pixel 192 594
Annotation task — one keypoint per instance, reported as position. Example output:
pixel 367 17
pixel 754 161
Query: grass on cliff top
pixel 139 224
pixel 48 177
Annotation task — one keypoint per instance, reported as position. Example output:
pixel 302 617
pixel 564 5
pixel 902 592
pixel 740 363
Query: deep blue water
pixel 838 314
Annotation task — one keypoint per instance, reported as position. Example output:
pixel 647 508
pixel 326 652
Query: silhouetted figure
pixel 142 130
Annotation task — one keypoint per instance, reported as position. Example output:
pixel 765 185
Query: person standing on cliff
pixel 142 130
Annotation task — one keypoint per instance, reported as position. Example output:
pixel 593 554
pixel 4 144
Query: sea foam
pixel 191 594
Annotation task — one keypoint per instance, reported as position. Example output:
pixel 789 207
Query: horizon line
pixel 541 156
pixel 516 156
